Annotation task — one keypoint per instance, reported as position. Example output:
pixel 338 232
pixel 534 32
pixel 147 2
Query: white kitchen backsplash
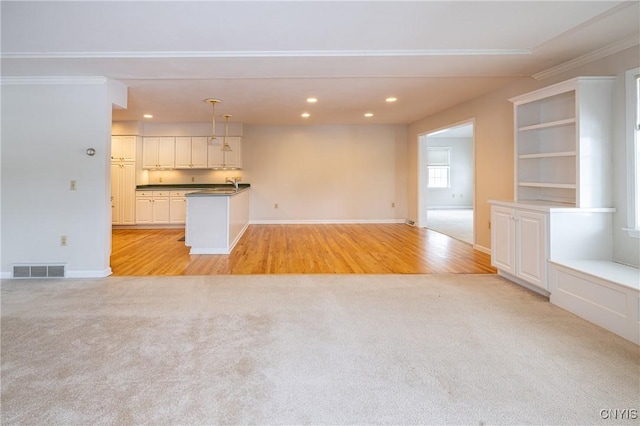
pixel 159 177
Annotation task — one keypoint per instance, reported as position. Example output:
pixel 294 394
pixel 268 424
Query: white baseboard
pixel 524 284
pixel 322 221
pixel 482 249
pixel 209 250
pixel 450 208
pixel 89 274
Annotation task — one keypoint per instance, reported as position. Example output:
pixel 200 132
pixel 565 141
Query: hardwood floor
pixel 301 249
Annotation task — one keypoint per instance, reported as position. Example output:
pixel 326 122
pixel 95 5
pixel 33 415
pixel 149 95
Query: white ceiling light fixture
pixel 312 100
pixel 213 140
pixel 391 99
pixel 368 114
pixel 225 145
pixel 305 115
pixel 148 116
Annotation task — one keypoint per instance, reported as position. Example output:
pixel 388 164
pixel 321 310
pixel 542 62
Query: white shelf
pixel 548 185
pixel 552 127
pixel 548 155
pixel 549 124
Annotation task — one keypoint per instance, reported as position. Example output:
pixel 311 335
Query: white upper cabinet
pixel 158 153
pixel 563 143
pixel 191 153
pixel 219 159
pixel 123 148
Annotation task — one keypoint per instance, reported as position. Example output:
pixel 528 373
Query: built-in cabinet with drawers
pixel 562 179
pixel 160 207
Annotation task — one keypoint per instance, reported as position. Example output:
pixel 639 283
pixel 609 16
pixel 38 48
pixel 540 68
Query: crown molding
pixel 52 80
pixel 600 53
pixel 263 54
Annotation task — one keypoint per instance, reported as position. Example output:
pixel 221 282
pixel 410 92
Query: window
pixel 438 167
pixel 633 149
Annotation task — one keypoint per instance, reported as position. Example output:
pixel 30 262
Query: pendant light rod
pixel 213 103
pixel 225 145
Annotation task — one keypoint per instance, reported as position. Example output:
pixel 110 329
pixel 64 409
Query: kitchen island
pixel 216 219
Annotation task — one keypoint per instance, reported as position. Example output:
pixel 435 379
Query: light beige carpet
pixel 456 223
pixel 313 349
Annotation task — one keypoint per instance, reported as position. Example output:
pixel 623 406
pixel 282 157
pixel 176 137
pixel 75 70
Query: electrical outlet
pixel 160 179
pixel 63 240
pixel 73 185
pixel 393 205
pixel 275 206
pixel 193 179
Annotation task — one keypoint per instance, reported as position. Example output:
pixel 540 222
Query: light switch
pixel 73 185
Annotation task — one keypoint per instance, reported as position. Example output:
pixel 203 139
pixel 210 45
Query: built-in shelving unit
pixel 562 143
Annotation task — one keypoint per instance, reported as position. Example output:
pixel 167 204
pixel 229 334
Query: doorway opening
pixel 446 181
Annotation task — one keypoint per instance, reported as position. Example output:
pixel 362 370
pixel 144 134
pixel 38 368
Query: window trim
pixel 439 164
pixel 632 132
pixel 448 170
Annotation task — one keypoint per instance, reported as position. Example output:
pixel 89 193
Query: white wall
pixel 47 126
pixel 493 115
pixel 326 173
pixel 460 192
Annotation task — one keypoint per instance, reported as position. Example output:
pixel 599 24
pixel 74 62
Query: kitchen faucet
pixel 234 181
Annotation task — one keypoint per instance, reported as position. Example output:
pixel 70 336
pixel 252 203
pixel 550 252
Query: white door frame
pixel 422 150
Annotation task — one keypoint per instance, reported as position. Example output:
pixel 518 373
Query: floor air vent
pixel 38 271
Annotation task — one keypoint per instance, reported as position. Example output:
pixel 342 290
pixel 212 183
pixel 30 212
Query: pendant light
pixel 213 140
pixel 225 145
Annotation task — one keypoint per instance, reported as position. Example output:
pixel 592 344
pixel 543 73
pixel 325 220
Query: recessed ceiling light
pixel 392 99
pixel 312 100
pixel 148 116
pixel 305 115
pixel 368 114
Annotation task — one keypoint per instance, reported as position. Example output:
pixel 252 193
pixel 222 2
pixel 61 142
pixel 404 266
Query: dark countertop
pixel 181 186
pixel 216 192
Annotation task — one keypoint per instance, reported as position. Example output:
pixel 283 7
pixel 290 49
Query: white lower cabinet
pixel 177 207
pixel 144 209
pixel 519 244
pixel 160 207
pixel 152 207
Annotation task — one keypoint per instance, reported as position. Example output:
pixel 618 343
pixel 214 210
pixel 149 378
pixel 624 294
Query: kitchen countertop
pixel 217 192
pixel 201 186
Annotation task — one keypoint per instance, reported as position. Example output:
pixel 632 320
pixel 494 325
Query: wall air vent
pixel 38 271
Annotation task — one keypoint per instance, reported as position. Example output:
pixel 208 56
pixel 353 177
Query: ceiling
pixel 263 59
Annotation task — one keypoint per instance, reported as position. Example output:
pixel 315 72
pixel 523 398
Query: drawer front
pixel 177 193
pixel 144 193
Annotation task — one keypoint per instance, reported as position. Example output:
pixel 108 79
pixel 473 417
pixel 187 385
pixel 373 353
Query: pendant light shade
pixel 212 139
pixel 225 145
